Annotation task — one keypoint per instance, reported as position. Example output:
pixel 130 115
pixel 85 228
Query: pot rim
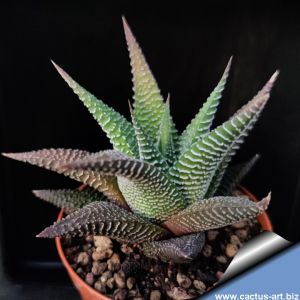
pixel 76 279
pixel 79 283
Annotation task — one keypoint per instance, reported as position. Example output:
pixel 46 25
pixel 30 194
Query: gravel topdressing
pixel 122 272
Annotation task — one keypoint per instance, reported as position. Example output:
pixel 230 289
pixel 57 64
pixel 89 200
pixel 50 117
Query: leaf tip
pixel 264 203
pixel 229 64
pixel 124 21
pixel 168 100
pixel 46 233
pixel 6 154
pixel 257 156
pixel 63 74
pixel 269 85
pixel 254 160
pixel 275 75
pixel 128 33
pixel 36 193
pixel 53 62
pixel 42 194
pixel 56 66
pixel 15 156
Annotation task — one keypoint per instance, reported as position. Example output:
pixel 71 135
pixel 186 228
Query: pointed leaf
pixel 263 95
pixel 148 105
pixel 147 190
pixel 214 213
pixel 197 167
pixel 182 249
pixel 148 151
pixel 202 122
pixel 69 199
pixel 168 137
pixel 53 159
pixel 234 175
pixel 104 218
pixel 118 129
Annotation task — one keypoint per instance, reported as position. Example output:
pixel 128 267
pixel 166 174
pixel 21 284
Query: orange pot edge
pixel 86 292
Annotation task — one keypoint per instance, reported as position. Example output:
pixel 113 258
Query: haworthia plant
pixel 155 188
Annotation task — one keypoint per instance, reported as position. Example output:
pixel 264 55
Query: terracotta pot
pixel 88 293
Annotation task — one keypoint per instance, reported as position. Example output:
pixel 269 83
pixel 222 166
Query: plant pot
pixel 88 293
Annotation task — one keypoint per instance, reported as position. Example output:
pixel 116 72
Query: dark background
pixel 187 47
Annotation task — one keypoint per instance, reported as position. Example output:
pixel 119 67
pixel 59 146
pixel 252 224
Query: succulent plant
pixel 156 188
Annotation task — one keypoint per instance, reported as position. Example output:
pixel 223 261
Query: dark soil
pixel 122 272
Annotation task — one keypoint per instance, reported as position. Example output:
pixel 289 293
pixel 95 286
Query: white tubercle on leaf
pixel 202 122
pixel 148 101
pixel 118 129
pixel 200 169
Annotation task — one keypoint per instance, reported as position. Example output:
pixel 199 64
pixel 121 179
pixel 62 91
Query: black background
pixel 187 47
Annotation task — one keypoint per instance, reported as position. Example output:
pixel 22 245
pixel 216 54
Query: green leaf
pixel 53 159
pixel 147 190
pixel 118 129
pixel 182 249
pixel 196 170
pixel 262 96
pixel 214 213
pixel 69 199
pixel 234 175
pixel 104 218
pixel 202 122
pixel 148 151
pixel 148 102
pixel 168 137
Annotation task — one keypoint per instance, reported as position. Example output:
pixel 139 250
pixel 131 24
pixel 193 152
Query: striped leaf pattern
pixel 214 213
pixel 234 175
pixel 168 181
pixel 182 249
pixel 202 122
pixel 254 108
pixel 148 151
pixel 119 131
pixel 68 199
pixel 199 170
pixel 167 132
pixel 104 218
pixel 148 102
pixel 147 191
pixel 54 159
